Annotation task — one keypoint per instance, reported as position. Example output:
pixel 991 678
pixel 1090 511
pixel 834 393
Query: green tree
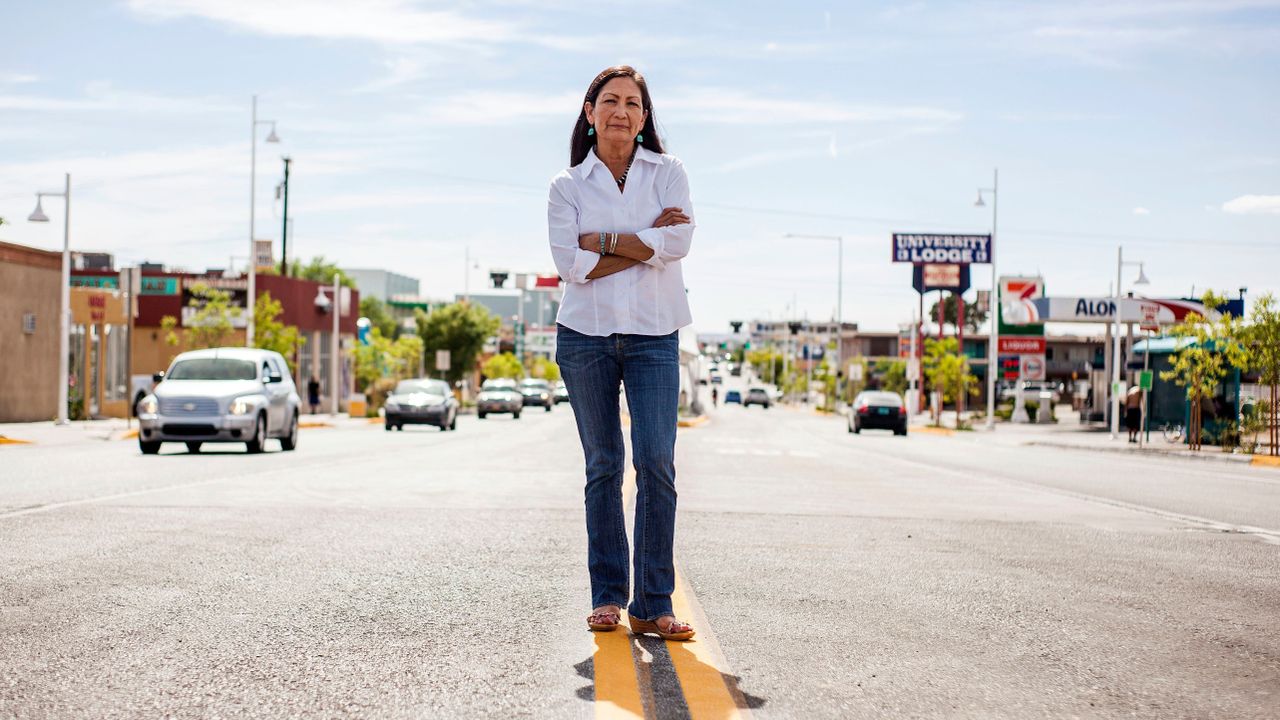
pixel 768 364
pixel 462 329
pixel 893 375
pixel 1263 338
pixel 210 326
pixel 505 365
pixel 271 334
pixel 974 316
pixel 947 371
pixel 379 316
pixel 318 269
pixel 545 369
pixel 384 358
pixel 1206 348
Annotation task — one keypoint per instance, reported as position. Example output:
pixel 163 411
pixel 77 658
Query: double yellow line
pixel 622 682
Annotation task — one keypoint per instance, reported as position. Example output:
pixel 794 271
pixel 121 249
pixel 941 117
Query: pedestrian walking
pixel 619 221
pixel 1133 413
pixel 313 394
pixel 715 397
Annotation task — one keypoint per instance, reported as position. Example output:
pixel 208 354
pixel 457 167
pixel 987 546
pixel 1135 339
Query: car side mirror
pixel 157 377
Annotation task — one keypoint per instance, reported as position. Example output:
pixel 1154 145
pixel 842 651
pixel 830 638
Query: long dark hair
pixel 581 142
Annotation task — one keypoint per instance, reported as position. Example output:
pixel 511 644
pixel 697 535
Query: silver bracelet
pixel 613 247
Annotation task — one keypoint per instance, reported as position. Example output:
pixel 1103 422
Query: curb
pixel 314 424
pixel 1266 461
pixel 1210 457
pixel 693 422
pixel 129 435
pixel 13 441
pixel 930 430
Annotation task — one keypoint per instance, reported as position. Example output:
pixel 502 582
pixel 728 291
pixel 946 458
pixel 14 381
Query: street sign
pixel 913 369
pixel 855 372
pixel 442 359
pixel 930 276
pixel 1146 379
pixel 1036 310
pixel 1150 317
pixel 941 248
pixel 1033 367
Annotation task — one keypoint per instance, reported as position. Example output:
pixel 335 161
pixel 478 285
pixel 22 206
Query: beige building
pixel 29 282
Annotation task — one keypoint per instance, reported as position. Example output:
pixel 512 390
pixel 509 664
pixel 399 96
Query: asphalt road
pixel 429 574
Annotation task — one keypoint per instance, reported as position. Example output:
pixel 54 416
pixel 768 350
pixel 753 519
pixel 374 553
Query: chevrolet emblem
pixel 188 406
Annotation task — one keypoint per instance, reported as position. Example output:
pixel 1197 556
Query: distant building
pixel 383 284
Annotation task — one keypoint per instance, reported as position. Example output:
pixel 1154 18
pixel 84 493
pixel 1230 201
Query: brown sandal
pixel 604 619
pixel 676 630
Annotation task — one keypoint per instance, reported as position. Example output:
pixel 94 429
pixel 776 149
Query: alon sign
pixel 941 248
pixel 1148 311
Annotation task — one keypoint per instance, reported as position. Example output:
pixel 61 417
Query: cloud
pixel 1253 205
pixel 391 22
pixel 102 96
pixel 13 78
pixel 1141 211
pixel 735 107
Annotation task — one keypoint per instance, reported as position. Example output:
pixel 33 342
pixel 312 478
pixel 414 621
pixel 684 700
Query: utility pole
pixel 284 229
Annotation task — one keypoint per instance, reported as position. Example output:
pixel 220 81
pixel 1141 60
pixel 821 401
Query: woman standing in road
pixel 619 221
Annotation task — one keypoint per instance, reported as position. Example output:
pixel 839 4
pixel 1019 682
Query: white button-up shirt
pixel 647 298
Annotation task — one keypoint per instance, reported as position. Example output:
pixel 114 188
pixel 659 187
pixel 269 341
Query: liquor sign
pixel 950 248
pixel 1016 345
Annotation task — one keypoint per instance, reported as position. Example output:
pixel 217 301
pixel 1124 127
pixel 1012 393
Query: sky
pixel 420 131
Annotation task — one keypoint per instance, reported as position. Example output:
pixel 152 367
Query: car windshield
pixel 213 369
pixel 756 391
pixel 534 384
pixel 498 384
pixel 404 387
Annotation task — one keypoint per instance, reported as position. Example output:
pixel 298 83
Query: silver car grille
pixel 188 406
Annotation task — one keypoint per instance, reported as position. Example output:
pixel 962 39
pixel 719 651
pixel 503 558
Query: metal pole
pixel 64 325
pixel 993 338
pixel 284 228
pixel 333 343
pixel 1146 398
pixel 253 189
pixel 466 277
pixel 1115 351
pixel 128 349
pixel 839 318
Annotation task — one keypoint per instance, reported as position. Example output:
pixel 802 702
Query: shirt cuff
pixel 584 261
pixel 654 239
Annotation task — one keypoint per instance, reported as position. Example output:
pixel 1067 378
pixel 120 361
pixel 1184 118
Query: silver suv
pixel 222 395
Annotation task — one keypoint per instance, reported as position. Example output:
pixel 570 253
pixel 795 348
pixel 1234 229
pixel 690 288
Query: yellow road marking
pixel 693 422
pixel 314 424
pixel 617 690
pixel 129 435
pixel 705 692
pixel 930 430
pixel 13 441
pixel 1266 460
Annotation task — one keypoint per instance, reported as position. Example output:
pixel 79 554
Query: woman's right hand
pixel 671 216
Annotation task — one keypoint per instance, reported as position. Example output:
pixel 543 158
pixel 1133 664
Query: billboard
pixel 941 248
pixel 1148 311
pixel 1017 310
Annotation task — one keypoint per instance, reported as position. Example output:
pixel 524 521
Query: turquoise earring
pixel 591 131
pixel 639 137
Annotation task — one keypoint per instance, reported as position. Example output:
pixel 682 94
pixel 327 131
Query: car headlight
pixel 545 396
pixel 241 406
pixel 392 406
pixel 149 406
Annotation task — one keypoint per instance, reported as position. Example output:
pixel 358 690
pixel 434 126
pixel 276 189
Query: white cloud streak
pixel 1253 205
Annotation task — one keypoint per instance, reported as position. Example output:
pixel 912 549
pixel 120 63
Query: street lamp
pixel 253 191
pixel 1115 339
pixel 993 337
pixel 839 240
pixel 64 319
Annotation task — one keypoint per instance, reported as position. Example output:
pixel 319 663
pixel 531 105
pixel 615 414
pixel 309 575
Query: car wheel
pixel 399 427
pixel 148 448
pixel 290 441
pixel 259 441
pixel 480 415
pixel 194 447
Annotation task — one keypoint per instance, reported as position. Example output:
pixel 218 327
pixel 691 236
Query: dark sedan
pixel 879 410
pixel 421 402
pixel 561 393
pixel 537 392
pixel 499 396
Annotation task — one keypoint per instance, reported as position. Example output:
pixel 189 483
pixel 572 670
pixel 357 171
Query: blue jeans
pixel 649 368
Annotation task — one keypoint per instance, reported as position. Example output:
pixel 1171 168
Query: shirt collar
pixel 592 161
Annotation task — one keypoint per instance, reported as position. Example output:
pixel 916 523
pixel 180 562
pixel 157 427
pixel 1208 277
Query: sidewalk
pixel 1069 434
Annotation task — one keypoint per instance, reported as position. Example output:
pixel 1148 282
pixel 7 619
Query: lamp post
pixel 1115 340
pixel 839 240
pixel 64 312
pixel 993 337
pixel 253 191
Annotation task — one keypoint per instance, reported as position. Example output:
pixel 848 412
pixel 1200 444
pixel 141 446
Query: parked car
pixel 1031 390
pixel 733 396
pixel 221 395
pixel 537 392
pixel 421 402
pixel 560 393
pixel 874 409
pixel 717 378
pixel 499 396
pixel 758 396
